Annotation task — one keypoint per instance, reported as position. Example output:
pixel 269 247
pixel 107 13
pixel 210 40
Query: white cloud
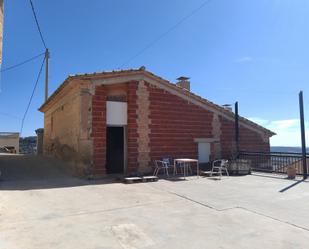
pixel 288 131
pixel 245 59
pixel 260 121
pixel 286 124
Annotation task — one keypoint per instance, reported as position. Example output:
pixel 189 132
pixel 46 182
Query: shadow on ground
pixel 291 182
pixel 25 172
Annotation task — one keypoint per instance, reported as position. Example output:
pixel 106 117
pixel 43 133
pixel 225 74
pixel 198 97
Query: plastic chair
pixel 218 166
pixel 161 165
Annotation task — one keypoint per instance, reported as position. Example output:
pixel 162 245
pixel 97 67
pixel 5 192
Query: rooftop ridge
pixel 170 84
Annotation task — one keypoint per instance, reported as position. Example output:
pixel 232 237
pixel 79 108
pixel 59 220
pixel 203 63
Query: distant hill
pixel 286 149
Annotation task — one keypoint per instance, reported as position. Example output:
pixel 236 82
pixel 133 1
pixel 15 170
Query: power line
pixel 35 85
pixel 21 63
pixel 153 42
pixel 37 24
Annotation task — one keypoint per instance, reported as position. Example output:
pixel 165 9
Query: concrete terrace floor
pixel 41 206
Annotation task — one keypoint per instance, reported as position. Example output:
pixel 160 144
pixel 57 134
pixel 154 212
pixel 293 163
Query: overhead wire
pixel 31 97
pixel 21 63
pixel 26 61
pixel 37 24
pixel 160 37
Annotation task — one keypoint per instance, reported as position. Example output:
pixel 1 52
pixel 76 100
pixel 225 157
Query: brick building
pixel 120 121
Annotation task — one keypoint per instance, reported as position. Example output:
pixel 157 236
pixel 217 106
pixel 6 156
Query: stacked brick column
pixel 216 133
pixel 228 145
pixel 132 165
pixel 143 122
pixel 99 130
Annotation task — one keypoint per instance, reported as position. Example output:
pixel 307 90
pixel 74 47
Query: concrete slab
pixel 235 212
pixel 260 194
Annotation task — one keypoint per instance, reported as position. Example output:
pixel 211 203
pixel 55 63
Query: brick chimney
pixel 183 82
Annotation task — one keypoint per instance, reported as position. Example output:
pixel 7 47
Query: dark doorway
pixel 115 150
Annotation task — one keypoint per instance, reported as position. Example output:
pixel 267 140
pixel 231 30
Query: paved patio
pixel 235 212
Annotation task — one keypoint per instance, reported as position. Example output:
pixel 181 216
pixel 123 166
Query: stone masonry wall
pixel 132 150
pixel 99 131
pixel 62 129
pixel 143 129
pixel 216 132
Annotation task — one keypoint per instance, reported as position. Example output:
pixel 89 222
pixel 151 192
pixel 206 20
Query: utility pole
pixel 236 129
pixel 303 136
pixel 46 73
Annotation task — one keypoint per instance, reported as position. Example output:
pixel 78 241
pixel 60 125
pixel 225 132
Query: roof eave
pixel 143 71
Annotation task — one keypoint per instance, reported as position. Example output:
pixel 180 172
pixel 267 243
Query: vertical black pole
pixel 236 130
pixel 303 137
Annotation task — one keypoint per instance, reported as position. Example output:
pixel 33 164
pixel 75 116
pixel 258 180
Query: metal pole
pixel 303 137
pixel 46 73
pixel 236 129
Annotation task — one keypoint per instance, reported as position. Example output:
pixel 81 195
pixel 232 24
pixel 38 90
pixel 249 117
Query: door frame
pixel 125 146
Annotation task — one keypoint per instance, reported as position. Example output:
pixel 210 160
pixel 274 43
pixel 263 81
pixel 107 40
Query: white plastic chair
pixel 161 165
pixel 218 166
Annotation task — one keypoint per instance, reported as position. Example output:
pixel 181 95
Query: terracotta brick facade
pixel 99 130
pixel 175 123
pixel 143 127
pixel 162 120
pixel 132 164
pixel 161 124
pixel 248 139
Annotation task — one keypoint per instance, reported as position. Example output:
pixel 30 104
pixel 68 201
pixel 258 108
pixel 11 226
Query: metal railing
pixel 275 162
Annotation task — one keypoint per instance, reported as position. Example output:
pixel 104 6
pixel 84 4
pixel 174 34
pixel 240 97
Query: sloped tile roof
pixel 142 70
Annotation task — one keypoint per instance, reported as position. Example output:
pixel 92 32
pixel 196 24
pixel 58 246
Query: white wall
pixel 116 113
pixel 10 140
pixel 203 152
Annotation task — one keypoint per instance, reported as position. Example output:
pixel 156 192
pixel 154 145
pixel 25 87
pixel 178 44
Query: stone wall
pixel 99 130
pixel 10 139
pixel 132 127
pixel 63 126
pixel 143 129
pixel 216 151
pixel 159 124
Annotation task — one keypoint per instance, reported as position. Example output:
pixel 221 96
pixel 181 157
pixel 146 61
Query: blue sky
pixel 251 51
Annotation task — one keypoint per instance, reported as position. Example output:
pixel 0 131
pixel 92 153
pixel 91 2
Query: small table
pixel 186 162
